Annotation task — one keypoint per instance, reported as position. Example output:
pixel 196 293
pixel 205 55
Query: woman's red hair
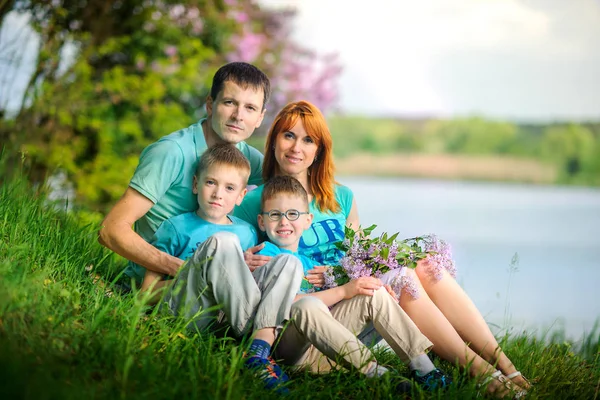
pixel 321 172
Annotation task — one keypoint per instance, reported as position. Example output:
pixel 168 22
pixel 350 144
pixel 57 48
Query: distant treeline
pixel 574 148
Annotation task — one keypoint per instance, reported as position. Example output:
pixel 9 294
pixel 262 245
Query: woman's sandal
pixel 518 373
pixel 515 390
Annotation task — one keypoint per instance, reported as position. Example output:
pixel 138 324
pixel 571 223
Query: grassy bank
pixel 61 336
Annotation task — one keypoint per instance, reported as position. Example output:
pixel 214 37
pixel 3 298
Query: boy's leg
pixel 216 275
pixel 390 321
pixel 313 339
pixel 278 281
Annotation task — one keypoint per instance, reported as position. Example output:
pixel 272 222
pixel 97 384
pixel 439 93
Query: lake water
pixel 554 231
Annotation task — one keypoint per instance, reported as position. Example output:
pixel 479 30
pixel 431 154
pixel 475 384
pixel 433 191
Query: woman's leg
pixel 447 343
pixel 461 313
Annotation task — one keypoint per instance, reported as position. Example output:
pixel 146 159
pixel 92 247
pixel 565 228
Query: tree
pixel 140 70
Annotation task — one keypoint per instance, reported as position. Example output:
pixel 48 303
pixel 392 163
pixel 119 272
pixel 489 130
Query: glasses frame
pixel 283 213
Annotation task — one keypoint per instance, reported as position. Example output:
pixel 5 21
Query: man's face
pixel 283 232
pixel 219 190
pixel 236 112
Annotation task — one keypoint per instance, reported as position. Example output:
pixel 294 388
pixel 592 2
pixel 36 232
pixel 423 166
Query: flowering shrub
pixel 366 256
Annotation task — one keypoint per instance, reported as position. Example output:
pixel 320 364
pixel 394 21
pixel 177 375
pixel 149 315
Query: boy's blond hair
pixel 283 185
pixel 224 154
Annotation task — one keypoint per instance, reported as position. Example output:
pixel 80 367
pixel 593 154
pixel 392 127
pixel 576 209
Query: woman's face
pixel 295 151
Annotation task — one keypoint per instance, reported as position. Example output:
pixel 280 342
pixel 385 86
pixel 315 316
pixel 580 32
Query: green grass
pixel 62 337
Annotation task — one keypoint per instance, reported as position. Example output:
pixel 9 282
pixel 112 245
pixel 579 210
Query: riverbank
pixel 445 166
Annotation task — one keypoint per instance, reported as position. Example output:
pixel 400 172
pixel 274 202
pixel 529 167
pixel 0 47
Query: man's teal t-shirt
pixel 181 235
pixel 165 176
pixel 272 250
pixel 318 241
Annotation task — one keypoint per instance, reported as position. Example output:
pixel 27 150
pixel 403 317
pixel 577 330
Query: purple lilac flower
pixel 441 259
pixel 407 283
pixel 330 278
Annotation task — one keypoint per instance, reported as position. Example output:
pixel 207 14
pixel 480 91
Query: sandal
pixel 518 373
pixel 514 389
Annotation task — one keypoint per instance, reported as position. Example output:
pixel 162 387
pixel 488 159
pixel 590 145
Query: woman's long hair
pixel 321 172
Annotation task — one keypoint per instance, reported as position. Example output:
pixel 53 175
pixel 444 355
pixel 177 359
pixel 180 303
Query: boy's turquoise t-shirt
pixel 181 235
pixel 317 242
pixel 272 250
pixel 165 176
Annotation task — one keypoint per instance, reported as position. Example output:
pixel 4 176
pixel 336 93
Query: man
pixel 161 186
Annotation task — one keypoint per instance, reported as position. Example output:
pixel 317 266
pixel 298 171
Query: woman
pixel 299 144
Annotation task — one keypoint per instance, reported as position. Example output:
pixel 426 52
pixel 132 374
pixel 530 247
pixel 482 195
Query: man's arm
pixel 117 234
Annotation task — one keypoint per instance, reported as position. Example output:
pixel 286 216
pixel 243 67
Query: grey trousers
pixel 216 281
pixel 316 336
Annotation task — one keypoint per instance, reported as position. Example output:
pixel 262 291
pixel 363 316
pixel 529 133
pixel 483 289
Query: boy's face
pixel 236 112
pixel 285 233
pixel 219 190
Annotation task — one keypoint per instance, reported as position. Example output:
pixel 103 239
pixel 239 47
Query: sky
pixel 524 60
pixel 520 60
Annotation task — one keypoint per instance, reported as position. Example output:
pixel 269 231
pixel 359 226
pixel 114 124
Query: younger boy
pixel 323 324
pixel 215 273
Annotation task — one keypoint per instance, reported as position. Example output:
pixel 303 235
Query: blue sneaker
pixel 269 372
pixel 431 381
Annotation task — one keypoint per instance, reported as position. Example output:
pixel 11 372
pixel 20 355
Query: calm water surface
pixel 554 232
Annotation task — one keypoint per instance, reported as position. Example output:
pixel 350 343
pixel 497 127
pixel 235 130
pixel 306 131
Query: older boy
pixel 216 274
pixel 161 186
pixel 323 323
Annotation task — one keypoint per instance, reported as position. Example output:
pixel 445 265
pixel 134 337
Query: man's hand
pixel 365 285
pixel 254 260
pixel 315 276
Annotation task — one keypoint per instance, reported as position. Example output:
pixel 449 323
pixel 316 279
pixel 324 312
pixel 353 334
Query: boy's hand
pixel 365 285
pixel 315 276
pixel 253 260
pixel 391 292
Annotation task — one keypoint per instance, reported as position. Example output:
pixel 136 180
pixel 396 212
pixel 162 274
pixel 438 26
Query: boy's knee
pixel 306 306
pixel 225 238
pixel 289 263
pixel 222 241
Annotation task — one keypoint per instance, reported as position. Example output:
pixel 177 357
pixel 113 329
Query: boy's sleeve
pixel 166 238
pixel 161 164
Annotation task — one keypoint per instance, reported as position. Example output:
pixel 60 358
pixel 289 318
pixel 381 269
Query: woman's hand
pixel 366 285
pixel 253 260
pixel 315 276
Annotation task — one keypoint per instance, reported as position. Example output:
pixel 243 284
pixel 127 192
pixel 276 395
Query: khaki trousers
pixel 216 280
pixel 316 337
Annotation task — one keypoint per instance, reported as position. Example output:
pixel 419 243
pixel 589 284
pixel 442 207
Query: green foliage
pixel 63 336
pixel 573 148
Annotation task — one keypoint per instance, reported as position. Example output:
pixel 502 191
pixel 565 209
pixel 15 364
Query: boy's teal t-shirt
pixel 165 176
pixel 181 235
pixel 272 250
pixel 317 242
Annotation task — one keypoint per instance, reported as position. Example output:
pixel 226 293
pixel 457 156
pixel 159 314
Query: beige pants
pixel 216 280
pixel 316 336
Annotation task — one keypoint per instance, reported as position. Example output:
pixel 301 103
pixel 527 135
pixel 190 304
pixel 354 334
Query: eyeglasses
pixel 291 215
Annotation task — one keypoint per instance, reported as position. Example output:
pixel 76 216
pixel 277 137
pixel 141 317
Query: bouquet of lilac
pixel 366 256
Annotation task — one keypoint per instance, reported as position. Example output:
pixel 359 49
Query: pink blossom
pixel 170 51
